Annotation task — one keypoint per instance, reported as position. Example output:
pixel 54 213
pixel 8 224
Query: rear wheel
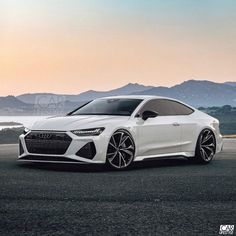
pixel 121 149
pixel 206 146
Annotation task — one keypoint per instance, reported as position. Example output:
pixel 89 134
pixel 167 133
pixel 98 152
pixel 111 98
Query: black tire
pixel 120 150
pixel 206 147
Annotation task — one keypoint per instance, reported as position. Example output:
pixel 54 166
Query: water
pixel 25 120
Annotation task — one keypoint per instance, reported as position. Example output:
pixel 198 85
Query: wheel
pixel 121 149
pixel 206 146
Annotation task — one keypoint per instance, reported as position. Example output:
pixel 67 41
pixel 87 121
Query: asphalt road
pixel 164 197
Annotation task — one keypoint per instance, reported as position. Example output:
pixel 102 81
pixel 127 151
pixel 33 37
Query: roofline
pixel 133 96
pixel 147 97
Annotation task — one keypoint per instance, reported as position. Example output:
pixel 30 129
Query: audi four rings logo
pixel 44 136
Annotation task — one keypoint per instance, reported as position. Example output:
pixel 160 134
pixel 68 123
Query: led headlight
pixel 26 130
pixel 88 132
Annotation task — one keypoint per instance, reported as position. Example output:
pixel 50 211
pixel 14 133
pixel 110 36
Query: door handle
pixel 176 124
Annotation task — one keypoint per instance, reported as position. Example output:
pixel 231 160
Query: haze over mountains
pixel 194 92
pixel 231 83
pixel 88 95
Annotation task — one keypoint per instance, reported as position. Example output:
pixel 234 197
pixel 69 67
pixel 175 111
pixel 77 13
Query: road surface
pixel 163 197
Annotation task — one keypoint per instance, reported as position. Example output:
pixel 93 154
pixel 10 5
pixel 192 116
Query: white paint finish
pixel 155 137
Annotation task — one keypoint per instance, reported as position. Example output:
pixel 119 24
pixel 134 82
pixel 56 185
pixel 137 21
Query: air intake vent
pixel 21 150
pixel 87 151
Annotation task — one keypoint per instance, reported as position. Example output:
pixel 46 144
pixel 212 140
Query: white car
pixel 121 130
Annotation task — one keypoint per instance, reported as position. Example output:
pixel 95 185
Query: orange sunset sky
pixel 72 46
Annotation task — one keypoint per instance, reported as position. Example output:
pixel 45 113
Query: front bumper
pixel 89 149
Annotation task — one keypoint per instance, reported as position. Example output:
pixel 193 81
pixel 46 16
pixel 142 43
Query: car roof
pixel 144 97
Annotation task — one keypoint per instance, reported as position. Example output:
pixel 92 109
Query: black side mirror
pixel 149 114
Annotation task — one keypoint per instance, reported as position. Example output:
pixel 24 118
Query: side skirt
pixel 165 156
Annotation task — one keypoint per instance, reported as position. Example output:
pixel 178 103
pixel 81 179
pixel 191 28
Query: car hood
pixel 66 123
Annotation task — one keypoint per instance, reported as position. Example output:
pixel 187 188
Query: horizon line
pixel 114 88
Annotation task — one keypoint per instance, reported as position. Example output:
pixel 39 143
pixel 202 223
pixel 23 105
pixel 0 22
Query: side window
pixel 180 109
pixel 166 107
pixel 150 105
pixel 157 105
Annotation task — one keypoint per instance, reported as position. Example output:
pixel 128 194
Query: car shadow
pixel 157 163
pixel 64 167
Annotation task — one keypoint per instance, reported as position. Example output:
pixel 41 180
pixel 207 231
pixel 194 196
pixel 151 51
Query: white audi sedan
pixel 121 130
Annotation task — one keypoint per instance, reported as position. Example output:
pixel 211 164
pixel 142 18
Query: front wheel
pixel 206 146
pixel 121 150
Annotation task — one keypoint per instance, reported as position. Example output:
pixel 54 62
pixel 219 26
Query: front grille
pixel 47 143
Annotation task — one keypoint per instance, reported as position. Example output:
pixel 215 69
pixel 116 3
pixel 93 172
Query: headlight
pixel 26 130
pixel 88 132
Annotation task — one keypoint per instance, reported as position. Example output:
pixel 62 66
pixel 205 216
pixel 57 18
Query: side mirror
pixel 149 114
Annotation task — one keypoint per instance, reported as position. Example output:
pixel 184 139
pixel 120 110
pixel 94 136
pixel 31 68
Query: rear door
pixel 187 123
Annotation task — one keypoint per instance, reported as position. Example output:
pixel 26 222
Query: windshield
pixel 117 107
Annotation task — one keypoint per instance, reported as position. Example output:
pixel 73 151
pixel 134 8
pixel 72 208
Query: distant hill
pixel 198 93
pixel 194 92
pixel 231 83
pixel 125 90
pixel 11 102
pixel 85 96
pixel 11 105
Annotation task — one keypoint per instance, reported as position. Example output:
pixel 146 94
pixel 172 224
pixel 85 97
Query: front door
pixel 157 136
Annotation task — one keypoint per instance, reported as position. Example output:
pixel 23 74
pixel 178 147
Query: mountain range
pixel 85 96
pixel 194 92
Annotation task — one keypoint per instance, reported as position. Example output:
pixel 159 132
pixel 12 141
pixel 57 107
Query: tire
pixel 121 150
pixel 206 147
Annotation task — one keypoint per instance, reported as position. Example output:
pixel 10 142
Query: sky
pixel 70 46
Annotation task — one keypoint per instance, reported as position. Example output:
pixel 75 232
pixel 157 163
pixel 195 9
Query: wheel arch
pixel 126 130
pixel 198 136
pixel 127 133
